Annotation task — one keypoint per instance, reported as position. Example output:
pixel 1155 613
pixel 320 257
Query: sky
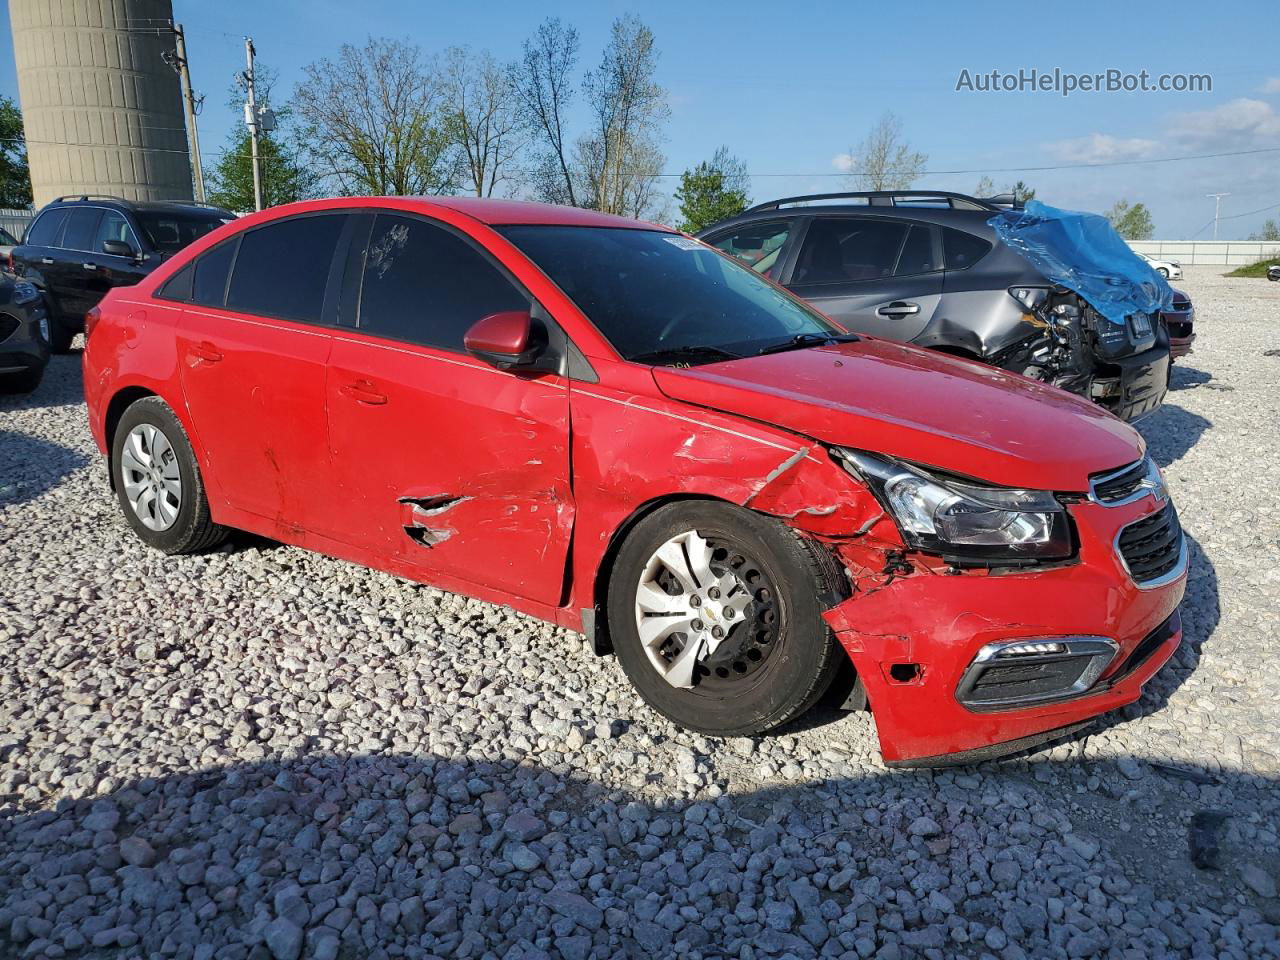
pixel 792 89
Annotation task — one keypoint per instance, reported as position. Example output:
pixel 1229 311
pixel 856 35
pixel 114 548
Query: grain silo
pixel 101 105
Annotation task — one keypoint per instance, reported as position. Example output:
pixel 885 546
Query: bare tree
pixel 620 157
pixel 483 117
pixel 885 161
pixel 374 116
pixel 986 187
pixel 543 81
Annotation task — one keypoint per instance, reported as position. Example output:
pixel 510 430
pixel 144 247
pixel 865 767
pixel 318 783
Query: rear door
pixel 75 274
pixel 874 275
pixel 444 463
pixel 38 251
pixel 252 348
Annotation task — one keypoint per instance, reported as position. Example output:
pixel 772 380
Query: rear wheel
pixel 716 616
pixel 60 333
pixel 158 481
pixel 1163 272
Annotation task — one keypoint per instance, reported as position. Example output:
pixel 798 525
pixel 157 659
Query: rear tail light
pixel 91 320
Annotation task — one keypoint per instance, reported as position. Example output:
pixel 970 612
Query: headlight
pixel 1031 298
pixel 25 292
pixel 964 521
pixel 44 330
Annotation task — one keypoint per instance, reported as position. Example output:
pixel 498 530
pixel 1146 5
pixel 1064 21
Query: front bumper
pixel 1131 387
pixel 23 348
pixel 936 624
pixel 1181 327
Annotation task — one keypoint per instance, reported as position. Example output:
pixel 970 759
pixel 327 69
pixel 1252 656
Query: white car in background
pixel 1169 269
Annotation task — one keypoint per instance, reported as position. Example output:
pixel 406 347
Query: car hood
pixel 929 408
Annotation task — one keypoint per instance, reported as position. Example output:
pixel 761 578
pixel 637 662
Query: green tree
pixel 1270 231
pixel 1022 192
pixel 15 177
pixel 713 190
pixel 1131 222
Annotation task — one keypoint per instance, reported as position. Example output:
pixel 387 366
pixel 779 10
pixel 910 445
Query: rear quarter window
pixel 962 250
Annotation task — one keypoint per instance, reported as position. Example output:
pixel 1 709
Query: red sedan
pixel 611 426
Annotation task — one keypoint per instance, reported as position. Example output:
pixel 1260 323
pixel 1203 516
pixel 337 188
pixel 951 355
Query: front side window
pixel 282 268
pixel 44 232
pixel 170 232
pixel 81 229
pixel 659 297
pixel 758 245
pixel 113 226
pixel 425 285
pixel 845 249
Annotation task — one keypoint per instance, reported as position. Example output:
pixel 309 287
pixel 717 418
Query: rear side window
pixel 844 249
pixel 44 232
pixel 962 249
pixel 425 285
pixel 758 245
pixel 282 268
pixel 81 229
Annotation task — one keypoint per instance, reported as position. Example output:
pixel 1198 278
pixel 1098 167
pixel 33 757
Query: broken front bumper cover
pixel 914 642
pixel 1132 387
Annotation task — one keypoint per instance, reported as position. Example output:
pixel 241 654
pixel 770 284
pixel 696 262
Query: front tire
pixel 60 333
pixel 158 481
pixel 1163 272
pixel 716 616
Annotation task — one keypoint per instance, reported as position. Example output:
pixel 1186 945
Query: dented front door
pixel 454 467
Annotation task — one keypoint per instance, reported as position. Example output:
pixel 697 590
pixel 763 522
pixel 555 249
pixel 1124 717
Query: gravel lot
pixel 266 753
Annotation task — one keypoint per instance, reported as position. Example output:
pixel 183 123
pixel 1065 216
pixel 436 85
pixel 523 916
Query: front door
pixel 448 465
pixel 873 275
pixel 253 351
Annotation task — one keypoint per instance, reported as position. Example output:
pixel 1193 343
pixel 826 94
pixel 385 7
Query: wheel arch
pixel 120 401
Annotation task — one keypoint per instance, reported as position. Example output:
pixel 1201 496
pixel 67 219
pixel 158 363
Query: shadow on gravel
pixel 63 385
pixel 1172 431
pixel 344 856
pixel 1182 377
pixel 30 466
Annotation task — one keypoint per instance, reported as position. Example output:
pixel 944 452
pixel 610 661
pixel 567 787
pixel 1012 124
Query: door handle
pixel 898 309
pixel 89 266
pixel 362 392
pixel 205 351
pixel 47 261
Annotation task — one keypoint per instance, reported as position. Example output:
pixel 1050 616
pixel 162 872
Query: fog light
pixel 1017 673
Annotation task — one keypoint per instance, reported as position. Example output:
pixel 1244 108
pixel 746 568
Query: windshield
pixel 169 232
pixel 663 298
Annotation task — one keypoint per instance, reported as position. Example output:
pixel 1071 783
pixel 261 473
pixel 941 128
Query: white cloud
pixel 1236 124
pixel 843 162
pixel 1101 148
pixel 1270 85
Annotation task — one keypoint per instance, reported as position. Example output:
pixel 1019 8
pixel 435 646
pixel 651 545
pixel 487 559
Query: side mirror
pixel 507 339
pixel 118 248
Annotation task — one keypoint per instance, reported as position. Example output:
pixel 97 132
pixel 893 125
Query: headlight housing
pixel 25 292
pixel 962 521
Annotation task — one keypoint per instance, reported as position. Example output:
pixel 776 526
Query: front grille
pixel 1117 485
pixel 1181 303
pixel 8 324
pixel 1152 548
pixel 1180 328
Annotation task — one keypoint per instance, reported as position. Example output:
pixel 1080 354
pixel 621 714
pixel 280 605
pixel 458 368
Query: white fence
pixel 15 221
pixel 1229 253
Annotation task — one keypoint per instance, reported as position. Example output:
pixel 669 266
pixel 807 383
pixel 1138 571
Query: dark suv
pixel 924 267
pixel 78 248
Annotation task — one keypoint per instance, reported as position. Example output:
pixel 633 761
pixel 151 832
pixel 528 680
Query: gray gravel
pixel 267 753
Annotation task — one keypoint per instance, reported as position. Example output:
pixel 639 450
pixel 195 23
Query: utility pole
pixel 1217 205
pixel 251 118
pixel 192 103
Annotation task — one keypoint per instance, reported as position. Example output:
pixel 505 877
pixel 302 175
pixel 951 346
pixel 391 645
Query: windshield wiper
pixel 699 351
pixel 801 340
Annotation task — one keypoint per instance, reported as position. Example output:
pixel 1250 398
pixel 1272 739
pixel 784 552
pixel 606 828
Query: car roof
pixel 496 212
pixel 158 206
pixel 975 221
